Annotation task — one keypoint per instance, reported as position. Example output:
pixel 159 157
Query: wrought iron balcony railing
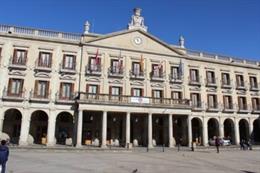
pixel 68 98
pixel 175 79
pixel 15 96
pixel 196 81
pixel 211 83
pixel 115 71
pixel 39 97
pixel 40 66
pixel 18 63
pixel 107 99
pixel 140 75
pixel 93 69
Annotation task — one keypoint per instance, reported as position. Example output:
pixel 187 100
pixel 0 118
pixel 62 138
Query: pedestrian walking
pixel 217 143
pixel 179 143
pixel 4 153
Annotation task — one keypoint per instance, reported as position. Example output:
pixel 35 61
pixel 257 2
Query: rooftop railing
pixel 222 58
pixel 39 33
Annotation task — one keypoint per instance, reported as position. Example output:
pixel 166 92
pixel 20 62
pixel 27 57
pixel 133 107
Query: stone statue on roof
pixel 137 21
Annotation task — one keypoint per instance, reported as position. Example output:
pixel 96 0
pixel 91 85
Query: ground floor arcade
pixel 122 129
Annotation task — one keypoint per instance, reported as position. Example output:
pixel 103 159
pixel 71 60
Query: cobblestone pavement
pixel 61 161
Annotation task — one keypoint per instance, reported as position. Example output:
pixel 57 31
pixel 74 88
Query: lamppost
pixel 75 119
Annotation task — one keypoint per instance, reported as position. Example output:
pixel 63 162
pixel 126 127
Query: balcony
pixel 226 84
pixel 71 70
pixel 36 97
pixel 8 96
pixel 93 69
pixel 196 82
pixel 213 108
pixel 123 100
pixel 228 108
pixel 211 83
pixel 59 98
pixel 255 87
pixel 256 109
pixel 197 106
pixel 42 66
pixel 137 75
pixel 243 108
pixel 160 77
pixel 115 72
pixel 19 64
pixel 241 86
pixel 175 79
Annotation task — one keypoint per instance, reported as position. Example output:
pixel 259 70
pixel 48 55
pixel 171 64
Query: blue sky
pixel 229 27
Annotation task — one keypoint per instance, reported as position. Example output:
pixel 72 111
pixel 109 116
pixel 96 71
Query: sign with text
pixel 139 100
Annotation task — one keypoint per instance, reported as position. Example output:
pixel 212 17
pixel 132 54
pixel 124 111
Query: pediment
pixel 137 83
pixel 136 40
pixel 116 81
pixel 67 77
pixel 42 75
pixel 92 79
pixel 16 73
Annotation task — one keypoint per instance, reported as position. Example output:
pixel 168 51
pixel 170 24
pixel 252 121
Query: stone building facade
pixel 126 88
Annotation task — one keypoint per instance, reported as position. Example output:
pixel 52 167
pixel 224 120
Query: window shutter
pixel 162 94
pixel 74 62
pixel 50 60
pixel 72 90
pixel 120 91
pixel 25 56
pixel 63 62
pixel 152 93
pixel 21 86
pixel 142 92
pixel 40 59
pixel 110 90
pixel 36 87
pixel 132 91
pixel 98 89
pixel 60 93
pixel 87 88
pixel 9 85
pixel 14 56
pixel 0 51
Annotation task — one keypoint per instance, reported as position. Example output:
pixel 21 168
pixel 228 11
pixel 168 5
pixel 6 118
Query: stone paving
pixel 155 161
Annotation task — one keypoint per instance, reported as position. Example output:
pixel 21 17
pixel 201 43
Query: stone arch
pixel 229 130
pixel 244 129
pixel 39 126
pixel 12 124
pixel 256 131
pixel 197 130
pixel 213 128
pixel 64 128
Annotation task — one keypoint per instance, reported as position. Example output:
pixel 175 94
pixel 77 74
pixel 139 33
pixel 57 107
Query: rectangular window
pixel 240 81
pixel 210 77
pixel 176 95
pixel 225 79
pixel 227 102
pixel 44 59
pixel 69 62
pixel 19 57
pixel 212 101
pixel 242 103
pixel 194 75
pixel 175 73
pixel 41 89
pixel 253 82
pixel 115 92
pixel 136 68
pixel 137 92
pixel 256 104
pixel 67 90
pixel 157 70
pixel 195 100
pixel 92 89
pixel 116 66
pixel 15 87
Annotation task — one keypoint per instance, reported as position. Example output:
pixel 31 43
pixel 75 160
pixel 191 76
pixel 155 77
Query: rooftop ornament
pixel 137 21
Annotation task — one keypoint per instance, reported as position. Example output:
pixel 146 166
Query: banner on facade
pixel 140 100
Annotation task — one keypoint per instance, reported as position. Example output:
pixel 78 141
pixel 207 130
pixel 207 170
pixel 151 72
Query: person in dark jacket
pixel 4 153
pixel 217 143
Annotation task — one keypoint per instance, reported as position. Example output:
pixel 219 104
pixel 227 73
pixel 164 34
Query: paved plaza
pixel 75 161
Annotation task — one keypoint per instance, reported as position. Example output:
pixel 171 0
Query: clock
pixel 138 40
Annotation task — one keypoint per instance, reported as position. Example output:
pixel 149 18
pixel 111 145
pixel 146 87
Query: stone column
pixel 205 132
pixel 25 127
pixel 127 135
pixel 51 140
pixel 251 128
pixel 170 132
pixel 150 131
pixel 189 130
pixel 237 135
pixel 79 129
pixel 2 116
pixel 221 128
pixel 104 130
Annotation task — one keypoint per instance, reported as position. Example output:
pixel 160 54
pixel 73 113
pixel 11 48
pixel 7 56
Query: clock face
pixel 138 40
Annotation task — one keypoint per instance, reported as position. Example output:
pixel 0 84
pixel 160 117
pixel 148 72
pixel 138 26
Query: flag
pixel 160 65
pixel 142 63
pixel 181 68
pixel 97 58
